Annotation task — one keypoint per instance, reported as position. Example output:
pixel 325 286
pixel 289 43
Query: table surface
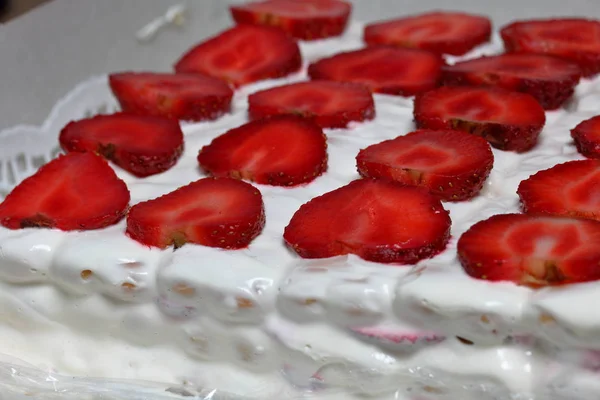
pixel 50 49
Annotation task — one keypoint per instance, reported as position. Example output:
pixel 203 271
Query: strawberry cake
pixel 309 207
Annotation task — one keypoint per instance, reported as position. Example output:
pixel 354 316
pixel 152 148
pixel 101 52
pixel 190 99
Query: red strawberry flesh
pixel 307 19
pixel 215 212
pixel 397 339
pixel 576 39
pixel 587 137
pixel 384 69
pixel 399 336
pixel 243 54
pixel 530 250
pixel 377 220
pixel 142 145
pixel 329 104
pixel 568 189
pixel 190 97
pixel 551 81
pixel 452 165
pixel 283 150
pixel 508 120
pixel 77 191
pixel 440 32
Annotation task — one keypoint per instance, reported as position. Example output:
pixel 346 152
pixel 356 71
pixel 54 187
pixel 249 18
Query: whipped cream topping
pixel 262 322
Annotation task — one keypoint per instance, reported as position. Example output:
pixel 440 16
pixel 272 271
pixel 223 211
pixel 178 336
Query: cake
pixel 269 310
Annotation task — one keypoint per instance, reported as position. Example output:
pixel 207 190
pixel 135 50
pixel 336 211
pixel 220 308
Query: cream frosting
pixel 262 322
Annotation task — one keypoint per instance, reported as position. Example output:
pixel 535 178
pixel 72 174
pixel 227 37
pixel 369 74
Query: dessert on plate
pixel 309 207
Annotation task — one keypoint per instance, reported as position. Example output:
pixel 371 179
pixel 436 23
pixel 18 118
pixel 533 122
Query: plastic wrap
pixel 19 381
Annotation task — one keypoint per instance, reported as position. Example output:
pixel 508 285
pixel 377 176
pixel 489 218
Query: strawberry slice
pixel 307 19
pixel 576 39
pixel 190 97
pixel 215 212
pixel 587 137
pixel 397 339
pixel 550 80
pixel 329 104
pixel 142 145
pixel 284 150
pixel 531 250
pixel 568 189
pixel 384 69
pixel 243 54
pixel 76 191
pixel 509 120
pixel 441 32
pixel 380 221
pixel 452 165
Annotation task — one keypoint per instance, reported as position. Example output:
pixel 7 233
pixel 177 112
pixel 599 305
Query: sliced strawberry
pixel 587 137
pixel 306 19
pixel 532 250
pixel 215 212
pixel 452 165
pixel 384 69
pixel 576 39
pixel 508 120
pixel 190 97
pixel 243 54
pixel 568 189
pixel 590 360
pixel 441 32
pixel 329 104
pixel 550 80
pixel 379 221
pixel 142 145
pixel 284 150
pixel 76 191
pixel 397 339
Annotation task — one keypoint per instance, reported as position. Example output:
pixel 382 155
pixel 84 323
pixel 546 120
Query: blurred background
pixel 13 8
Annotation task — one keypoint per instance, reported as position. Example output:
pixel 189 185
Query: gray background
pixel 46 52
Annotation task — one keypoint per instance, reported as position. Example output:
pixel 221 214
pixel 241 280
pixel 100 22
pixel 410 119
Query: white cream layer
pixel 261 321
